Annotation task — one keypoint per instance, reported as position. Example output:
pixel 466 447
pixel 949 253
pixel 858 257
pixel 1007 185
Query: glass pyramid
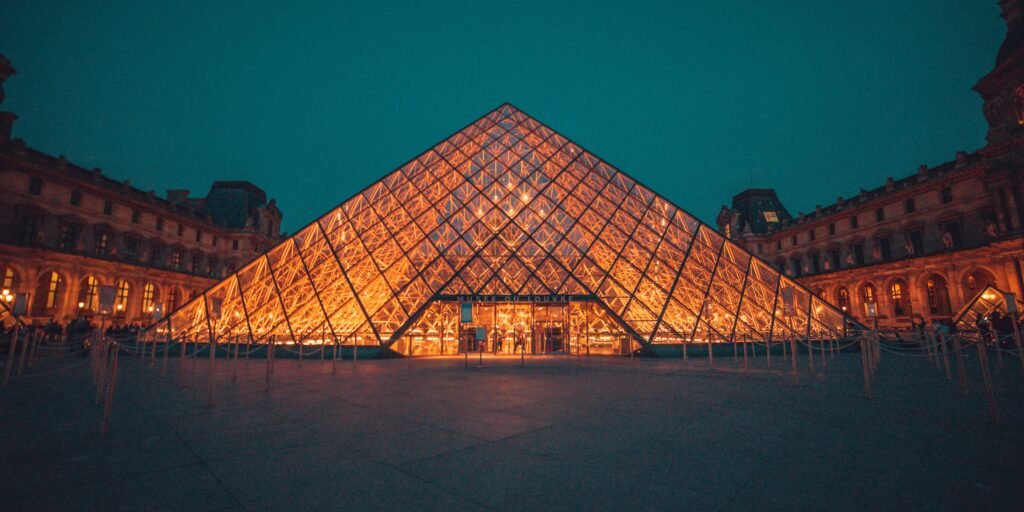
pixel 504 209
pixel 988 301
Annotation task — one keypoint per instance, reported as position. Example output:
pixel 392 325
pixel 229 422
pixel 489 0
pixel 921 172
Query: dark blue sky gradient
pixel 314 100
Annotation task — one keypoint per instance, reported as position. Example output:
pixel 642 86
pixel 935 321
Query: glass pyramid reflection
pixel 505 207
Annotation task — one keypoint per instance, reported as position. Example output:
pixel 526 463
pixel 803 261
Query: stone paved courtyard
pixel 559 434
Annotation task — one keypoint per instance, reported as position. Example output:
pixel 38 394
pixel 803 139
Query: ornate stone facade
pixel 919 247
pixel 66 231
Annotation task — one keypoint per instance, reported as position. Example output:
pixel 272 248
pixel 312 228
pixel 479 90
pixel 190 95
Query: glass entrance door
pixel 506 328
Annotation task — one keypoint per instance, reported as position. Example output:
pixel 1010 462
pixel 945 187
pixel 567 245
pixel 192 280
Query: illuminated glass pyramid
pixel 504 210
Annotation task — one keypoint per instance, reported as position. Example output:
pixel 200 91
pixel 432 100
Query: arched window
pixel 172 300
pixel 121 299
pixel 148 298
pixel 900 299
pixel 49 291
pixel 843 296
pixel 868 293
pixel 976 281
pixel 938 296
pixel 88 294
pixel 868 296
pixel 9 283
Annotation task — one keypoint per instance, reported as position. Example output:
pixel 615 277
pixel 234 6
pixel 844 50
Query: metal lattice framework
pixel 504 207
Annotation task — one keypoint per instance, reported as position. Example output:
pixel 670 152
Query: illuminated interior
pixel 988 301
pixel 552 248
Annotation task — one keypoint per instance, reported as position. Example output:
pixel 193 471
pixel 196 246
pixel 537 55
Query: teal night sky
pixel 314 100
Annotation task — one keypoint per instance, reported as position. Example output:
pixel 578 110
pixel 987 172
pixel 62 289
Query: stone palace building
pixel 66 232
pixel 921 246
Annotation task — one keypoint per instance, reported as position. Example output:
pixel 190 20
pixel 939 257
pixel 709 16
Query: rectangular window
pixel 798 269
pixel 156 254
pixel 214 240
pixel 68 237
pixel 76 197
pixel 946 195
pixel 35 186
pixel 199 236
pixel 815 263
pixel 30 230
pixel 181 229
pixel 810 235
pixel 131 249
pixel 854 222
pixel 136 216
pixel 915 243
pixel 778 245
pixel 884 249
pixel 832 229
pixel 108 207
pixel 909 205
pixel 951 235
pixel 159 223
pixel 793 241
pixel 770 216
pixel 176 259
pixel 234 245
pixel 858 253
pixel 760 247
pixel 102 245
pixel 880 214
pixel 834 256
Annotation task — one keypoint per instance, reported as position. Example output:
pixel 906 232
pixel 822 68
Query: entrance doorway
pixel 514 327
pixel 508 328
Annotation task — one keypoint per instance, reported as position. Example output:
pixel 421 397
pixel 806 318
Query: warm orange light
pixel 415 240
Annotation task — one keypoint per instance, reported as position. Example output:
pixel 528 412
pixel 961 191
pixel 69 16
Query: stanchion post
pixel 34 351
pixel 960 368
pixel 266 379
pixel 945 353
pixel 10 353
pixel 810 353
pixel 745 363
pixel 1016 339
pixel 112 382
pixel 29 340
pixel 792 356
pixel 181 363
pixel 987 379
pixel 864 362
pixel 821 347
pixel 999 351
pixel 234 365
pixel 212 345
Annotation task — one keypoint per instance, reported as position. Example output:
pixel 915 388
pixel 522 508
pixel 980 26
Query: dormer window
pixel 770 216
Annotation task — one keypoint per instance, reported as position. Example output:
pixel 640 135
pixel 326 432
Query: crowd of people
pixel 75 333
pixel 997 328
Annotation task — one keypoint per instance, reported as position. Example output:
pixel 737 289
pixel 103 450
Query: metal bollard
pixel 987 379
pixel 960 368
pixel 10 354
pixel 112 382
pixel 864 362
